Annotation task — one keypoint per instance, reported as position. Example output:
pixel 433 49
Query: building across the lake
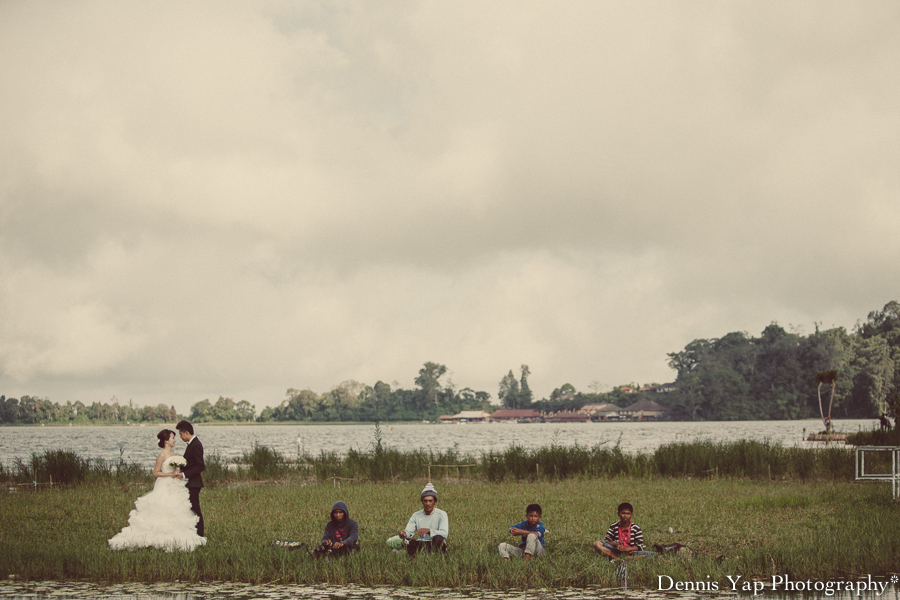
pixel 601 412
pixel 466 416
pixel 510 415
pixel 644 410
pixel 660 389
pixel 568 417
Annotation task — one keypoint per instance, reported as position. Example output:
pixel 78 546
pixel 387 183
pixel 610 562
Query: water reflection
pixel 239 591
pixel 891 593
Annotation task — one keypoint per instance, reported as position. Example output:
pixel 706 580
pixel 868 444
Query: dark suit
pixel 193 454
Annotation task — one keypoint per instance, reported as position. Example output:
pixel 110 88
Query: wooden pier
pixel 827 437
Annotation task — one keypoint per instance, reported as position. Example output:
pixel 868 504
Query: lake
pixel 137 443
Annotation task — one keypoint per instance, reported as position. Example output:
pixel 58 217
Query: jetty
pixel 827 437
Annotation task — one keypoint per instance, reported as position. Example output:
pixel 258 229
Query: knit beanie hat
pixel 429 491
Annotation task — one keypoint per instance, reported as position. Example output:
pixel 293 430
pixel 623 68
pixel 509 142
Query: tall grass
pixel 754 528
pixel 739 459
pixel 877 437
pixel 746 458
pixel 749 508
pixel 262 462
pixel 562 462
pixel 66 468
pixel 216 467
pixel 553 463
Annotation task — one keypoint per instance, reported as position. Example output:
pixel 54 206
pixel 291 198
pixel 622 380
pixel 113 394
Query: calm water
pixel 138 443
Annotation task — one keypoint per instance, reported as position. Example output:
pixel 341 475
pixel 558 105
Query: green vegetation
pixel 759 508
pixel 66 468
pixel 885 436
pixel 33 410
pixel 875 438
pixel 779 374
pixel 760 528
pixel 264 463
pixel 740 459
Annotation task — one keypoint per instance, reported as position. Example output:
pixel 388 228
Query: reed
pixel 216 467
pixel 103 471
pixel 261 462
pixel 66 468
pixel 877 437
pixel 754 528
pixel 63 467
pixel 739 459
pixel 747 458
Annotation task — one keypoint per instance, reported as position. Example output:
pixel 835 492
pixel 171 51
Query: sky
pixel 213 199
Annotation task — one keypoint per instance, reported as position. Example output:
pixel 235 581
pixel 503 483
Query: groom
pixel 193 454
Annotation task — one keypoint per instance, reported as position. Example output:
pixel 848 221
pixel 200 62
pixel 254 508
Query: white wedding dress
pixel 161 518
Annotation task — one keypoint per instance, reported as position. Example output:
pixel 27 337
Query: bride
pixel 162 518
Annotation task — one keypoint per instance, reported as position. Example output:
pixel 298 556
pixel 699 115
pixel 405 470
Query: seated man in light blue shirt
pixel 430 524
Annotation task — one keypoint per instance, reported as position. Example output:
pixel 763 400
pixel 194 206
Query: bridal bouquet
pixel 176 461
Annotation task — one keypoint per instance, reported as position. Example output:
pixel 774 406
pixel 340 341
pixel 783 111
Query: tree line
pixel 776 375
pixel 432 396
pixel 32 410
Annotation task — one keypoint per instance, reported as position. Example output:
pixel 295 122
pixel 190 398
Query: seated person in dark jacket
pixel 341 533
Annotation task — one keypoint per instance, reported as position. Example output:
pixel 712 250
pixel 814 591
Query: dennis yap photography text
pixel 780 583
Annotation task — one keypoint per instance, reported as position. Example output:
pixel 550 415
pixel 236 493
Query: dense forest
pixel 735 377
pixel 774 376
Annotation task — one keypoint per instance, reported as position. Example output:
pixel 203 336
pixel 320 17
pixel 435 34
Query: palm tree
pixel 831 377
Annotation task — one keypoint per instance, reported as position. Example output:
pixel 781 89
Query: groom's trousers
pixel 194 494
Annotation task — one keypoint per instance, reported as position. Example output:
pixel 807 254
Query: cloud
pixel 197 201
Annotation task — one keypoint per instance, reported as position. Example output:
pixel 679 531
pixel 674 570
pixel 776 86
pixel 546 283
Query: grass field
pixel 817 530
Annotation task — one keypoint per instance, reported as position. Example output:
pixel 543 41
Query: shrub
pixel 802 462
pixel 264 463
pixel 875 438
pixel 216 467
pixel 493 466
pixel 62 467
pixel 326 465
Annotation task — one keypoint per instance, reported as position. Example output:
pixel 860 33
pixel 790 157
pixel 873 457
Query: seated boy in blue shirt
pixel 623 537
pixel 532 531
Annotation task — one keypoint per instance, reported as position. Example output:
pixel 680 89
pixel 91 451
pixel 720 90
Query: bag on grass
pixel 288 545
pixel 674 549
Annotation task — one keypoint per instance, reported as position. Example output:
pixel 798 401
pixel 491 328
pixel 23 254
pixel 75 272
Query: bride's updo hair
pixel 164 436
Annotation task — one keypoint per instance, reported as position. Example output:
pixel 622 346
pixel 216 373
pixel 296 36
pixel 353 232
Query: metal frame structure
pixel 893 476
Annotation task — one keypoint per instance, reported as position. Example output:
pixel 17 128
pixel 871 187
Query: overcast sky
pixel 206 199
